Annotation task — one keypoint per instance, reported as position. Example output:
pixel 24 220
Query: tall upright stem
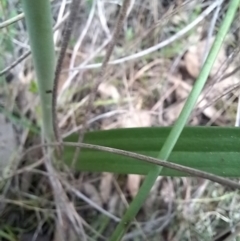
pixel 39 25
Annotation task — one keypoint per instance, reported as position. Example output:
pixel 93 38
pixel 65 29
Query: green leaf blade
pixel 212 149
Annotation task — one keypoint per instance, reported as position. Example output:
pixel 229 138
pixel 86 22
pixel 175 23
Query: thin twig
pixel 15 63
pixel 79 194
pixel 68 82
pixel 11 20
pixel 152 160
pixel 237 121
pixel 158 46
pixel 66 213
pixel 163 19
pixel 82 35
pixel 59 193
pixel 90 202
pixel 211 30
pixel 28 53
pixel 59 18
pixel 103 72
pixel 75 5
pixel 229 74
pixel 71 215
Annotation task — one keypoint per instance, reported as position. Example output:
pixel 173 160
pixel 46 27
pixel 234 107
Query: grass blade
pixel 178 127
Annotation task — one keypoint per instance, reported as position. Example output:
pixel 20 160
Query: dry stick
pixel 22 170
pixel 66 37
pixel 73 219
pixel 199 110
pixel 229 74
pixel 15 63
pixel 152 160
pixel 11 20
pixel 67 215
pixel 228 91
pixel 158 46
pixel 103 73
pixel 79 194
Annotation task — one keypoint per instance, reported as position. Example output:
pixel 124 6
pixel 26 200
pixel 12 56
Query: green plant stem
pixel 178 127
pixel 39 26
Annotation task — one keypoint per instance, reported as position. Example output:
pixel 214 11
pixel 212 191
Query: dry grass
pixel 144 88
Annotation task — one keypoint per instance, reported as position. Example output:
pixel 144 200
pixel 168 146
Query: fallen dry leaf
pixel 135 119
pixel 209 111
pixel 133 183
pixel 106 186
pixel 173 112
pixel 167 191
pixel 193 60
pixel 194 57
pixel 116 206
pixel 92 193
pixel 109 90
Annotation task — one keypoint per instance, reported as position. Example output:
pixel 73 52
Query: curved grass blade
pixel 179 125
